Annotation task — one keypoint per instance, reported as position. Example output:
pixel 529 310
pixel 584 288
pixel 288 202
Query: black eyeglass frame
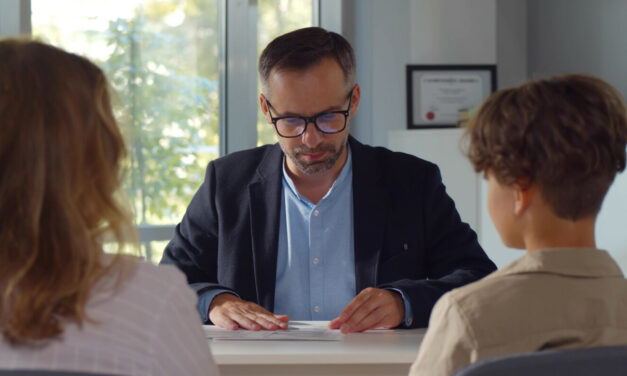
pixel 312 119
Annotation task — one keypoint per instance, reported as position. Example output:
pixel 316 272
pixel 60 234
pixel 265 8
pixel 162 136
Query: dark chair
pixel 596 361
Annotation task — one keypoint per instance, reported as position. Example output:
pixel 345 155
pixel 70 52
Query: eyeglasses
pixel 326 122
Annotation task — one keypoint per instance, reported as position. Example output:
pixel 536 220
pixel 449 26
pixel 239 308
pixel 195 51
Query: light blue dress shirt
pixel 315 277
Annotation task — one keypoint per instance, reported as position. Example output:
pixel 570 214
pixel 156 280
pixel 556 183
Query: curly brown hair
pixel 567 134
pixel 60 152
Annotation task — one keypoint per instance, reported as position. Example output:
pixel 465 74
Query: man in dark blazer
pixel 320 226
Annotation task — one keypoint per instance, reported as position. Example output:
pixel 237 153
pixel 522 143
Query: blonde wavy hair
pixel 60 152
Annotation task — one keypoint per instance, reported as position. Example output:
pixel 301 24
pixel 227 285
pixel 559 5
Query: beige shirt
pixel 148 326
pixel 549 299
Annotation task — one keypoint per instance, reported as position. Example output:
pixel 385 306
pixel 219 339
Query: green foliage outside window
pixel 171 118
pixel 162 63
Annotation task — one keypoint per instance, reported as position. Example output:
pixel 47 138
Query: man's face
pixel 319 89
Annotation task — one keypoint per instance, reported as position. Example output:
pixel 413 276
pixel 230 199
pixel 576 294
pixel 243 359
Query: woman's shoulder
pixel 159 278
pixel 136 280
pixel 159 274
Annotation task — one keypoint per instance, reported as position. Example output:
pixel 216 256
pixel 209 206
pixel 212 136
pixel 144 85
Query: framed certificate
pixel 440 96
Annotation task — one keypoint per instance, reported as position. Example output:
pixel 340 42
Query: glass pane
pixel 161 58
pixel 152 251
pixel 276 18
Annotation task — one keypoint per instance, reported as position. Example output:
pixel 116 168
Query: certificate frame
pixel 434 92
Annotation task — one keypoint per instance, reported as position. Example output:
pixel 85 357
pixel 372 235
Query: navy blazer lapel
pixel 369 212
pixel 265 205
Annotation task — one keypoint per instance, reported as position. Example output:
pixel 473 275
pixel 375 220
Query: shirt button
pixel 317 309
pixel 315 261
pixel 316 212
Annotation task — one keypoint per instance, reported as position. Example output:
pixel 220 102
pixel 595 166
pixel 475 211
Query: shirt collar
pixel 574 262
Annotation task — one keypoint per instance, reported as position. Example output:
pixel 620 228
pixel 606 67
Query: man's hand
pixel 371 308
pixel 230 312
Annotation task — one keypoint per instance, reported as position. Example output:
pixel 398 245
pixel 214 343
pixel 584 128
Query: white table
pixel 376 352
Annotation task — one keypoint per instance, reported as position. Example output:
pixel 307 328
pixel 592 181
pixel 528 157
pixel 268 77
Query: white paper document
pixel 296 331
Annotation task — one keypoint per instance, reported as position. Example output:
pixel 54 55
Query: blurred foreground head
pixel 60 155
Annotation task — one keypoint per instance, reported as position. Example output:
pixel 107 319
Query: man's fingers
pixel 260 318
pixel 224 322
pixel 377 308
pixel 354 321
pixel 355 304
pixel 244 321
pixel 365 313
pixel 283 320
pixel 266 319
pixel 335 323
pixel 279 320
pixel 372 320
pixel 231 312
pixel 266 323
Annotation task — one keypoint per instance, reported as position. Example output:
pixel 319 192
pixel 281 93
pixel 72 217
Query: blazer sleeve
pixel 451 252
pixel 194 247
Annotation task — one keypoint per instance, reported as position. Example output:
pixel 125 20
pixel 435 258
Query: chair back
pixel 596 361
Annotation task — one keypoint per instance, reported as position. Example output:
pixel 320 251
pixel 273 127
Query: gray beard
pixel 316 167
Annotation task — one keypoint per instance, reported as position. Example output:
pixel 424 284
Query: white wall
pixel 14 17
pixel 9 17
pixel 389 35
pixel 579 36
pixel 511 42
pixel 440 146
pixel 453 32
pixel 379 32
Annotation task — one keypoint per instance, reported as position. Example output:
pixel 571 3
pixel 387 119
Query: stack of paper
pixel 296 331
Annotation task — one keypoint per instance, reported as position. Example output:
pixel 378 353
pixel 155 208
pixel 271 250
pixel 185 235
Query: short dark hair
pixel 567 134
pixel 304 48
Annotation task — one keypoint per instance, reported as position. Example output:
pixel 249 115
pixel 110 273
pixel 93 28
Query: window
pixel 163 59
pixel 276 18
